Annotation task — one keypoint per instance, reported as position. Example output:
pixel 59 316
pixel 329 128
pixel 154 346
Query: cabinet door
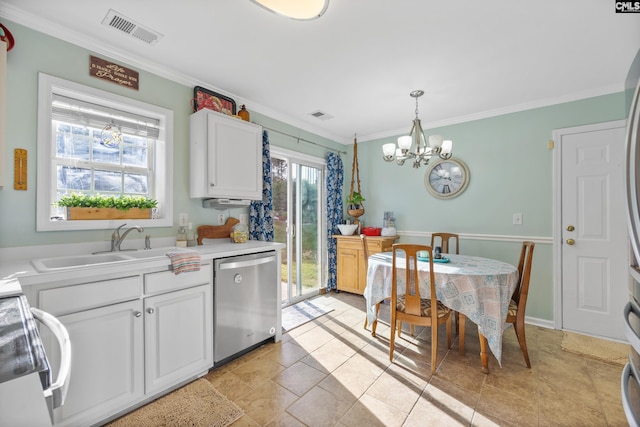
pixel 234 158
pixel 178 336
pixel 106 362
pixel 348 270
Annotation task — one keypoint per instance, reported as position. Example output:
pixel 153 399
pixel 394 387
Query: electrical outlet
pixel 244 219
pixel 517 219
pixel 183 219
pixel 220 219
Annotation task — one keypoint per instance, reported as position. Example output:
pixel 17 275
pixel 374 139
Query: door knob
pixel 137 314
pixel 570 228
pixel 150 310
pixel 570 242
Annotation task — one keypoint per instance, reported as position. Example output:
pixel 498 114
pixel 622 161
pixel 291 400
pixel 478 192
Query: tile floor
pixel 331 372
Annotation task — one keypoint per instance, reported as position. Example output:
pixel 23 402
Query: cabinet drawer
pixel 374 246
pixel 165 281
pixel 71 299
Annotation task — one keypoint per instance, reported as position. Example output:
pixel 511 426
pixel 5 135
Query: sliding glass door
pixel 298 206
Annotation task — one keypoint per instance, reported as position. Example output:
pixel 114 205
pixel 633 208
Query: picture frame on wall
pixel 205 98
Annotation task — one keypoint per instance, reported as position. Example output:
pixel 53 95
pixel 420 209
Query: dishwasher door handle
pixel 248 263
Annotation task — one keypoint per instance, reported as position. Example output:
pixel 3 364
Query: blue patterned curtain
pixel 261 212
pixel 335 178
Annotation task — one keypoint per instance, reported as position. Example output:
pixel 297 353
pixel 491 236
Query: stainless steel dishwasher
pixel 245 303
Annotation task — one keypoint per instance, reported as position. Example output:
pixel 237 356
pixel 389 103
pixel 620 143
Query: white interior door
pixel 594 231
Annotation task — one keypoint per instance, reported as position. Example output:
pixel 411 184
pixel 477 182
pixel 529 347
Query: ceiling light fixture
pixel 422 152
pixel 295 9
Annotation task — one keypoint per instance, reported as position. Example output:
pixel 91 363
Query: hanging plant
pixel 355 199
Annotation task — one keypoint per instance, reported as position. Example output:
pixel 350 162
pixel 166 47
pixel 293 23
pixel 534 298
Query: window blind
pixel 83 113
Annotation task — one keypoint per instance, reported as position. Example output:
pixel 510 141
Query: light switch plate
pixel 220 219
pixel 517 219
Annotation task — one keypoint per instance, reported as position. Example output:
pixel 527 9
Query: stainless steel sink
pixel 57 263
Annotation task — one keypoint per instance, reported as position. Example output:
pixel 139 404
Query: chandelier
pixel 422 152
pixel 295 9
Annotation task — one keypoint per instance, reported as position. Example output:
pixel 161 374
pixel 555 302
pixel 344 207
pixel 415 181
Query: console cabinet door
pixel 352 274
pixel 348 270
pixel 178 336
pixel 106 362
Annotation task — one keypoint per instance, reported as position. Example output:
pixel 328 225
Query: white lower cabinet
pixel 107 362
pixel 129 342
pixel 178 336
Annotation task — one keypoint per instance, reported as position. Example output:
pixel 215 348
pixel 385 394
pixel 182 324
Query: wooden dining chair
pixel 365 254
pixel 445 240
pixel 407 305
pixel 518 304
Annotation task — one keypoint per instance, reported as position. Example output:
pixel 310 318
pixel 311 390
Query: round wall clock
pixel 446 179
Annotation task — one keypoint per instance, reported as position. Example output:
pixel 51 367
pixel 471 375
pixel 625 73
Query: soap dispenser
pixel 181 238
pixel 191 235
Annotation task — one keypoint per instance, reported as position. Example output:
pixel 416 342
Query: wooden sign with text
pixel 113 73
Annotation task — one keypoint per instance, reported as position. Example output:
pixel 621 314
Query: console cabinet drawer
pixel 165 281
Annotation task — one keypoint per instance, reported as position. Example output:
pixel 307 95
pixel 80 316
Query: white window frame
pixel 46 170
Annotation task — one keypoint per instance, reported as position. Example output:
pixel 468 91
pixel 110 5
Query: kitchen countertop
pixel 16 272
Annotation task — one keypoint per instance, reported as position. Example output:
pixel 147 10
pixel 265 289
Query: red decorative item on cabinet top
pixel 7 37
pixel 371 231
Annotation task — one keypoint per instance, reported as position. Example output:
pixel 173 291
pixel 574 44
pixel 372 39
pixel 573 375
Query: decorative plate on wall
pixel 446 179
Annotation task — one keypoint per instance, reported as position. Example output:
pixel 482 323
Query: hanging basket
pixel 355 175
pixel 355 212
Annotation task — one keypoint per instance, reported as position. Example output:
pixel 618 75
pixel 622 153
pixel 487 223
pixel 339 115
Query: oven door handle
pixel 631 335
pixel 58 390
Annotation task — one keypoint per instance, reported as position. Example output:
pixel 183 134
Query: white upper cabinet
pixel 225 157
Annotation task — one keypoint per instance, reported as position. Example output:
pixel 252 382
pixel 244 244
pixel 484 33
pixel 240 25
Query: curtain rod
pixel 305 140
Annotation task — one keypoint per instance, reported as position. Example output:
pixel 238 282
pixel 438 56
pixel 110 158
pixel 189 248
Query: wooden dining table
pixel 479 288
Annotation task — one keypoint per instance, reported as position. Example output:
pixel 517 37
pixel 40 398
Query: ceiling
pixel 362 58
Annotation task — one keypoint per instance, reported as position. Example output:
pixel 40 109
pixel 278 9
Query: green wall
pixel 508 158
pixel 510 166
pixel 36 52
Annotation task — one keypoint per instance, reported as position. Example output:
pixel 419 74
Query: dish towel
pixel 184 261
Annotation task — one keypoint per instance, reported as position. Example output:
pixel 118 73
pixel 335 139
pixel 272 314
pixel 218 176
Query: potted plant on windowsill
pixel 101 207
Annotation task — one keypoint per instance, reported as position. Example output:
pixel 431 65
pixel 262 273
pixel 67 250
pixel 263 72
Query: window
pixel 91 141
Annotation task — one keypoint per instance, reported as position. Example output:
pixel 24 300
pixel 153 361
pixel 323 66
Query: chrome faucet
pixel 116 240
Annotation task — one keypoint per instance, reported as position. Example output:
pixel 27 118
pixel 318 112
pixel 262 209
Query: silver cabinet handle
pixel 150 310
pixel 137 314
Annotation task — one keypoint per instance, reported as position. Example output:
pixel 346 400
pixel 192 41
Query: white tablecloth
pixel 479 288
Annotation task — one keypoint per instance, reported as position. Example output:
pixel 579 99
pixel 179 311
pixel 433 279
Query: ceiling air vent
pixel 321 115
pixel 128 26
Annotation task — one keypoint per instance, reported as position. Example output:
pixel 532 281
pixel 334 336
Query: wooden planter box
pixel 107 213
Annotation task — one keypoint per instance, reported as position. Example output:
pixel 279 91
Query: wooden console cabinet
pixel 352 276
